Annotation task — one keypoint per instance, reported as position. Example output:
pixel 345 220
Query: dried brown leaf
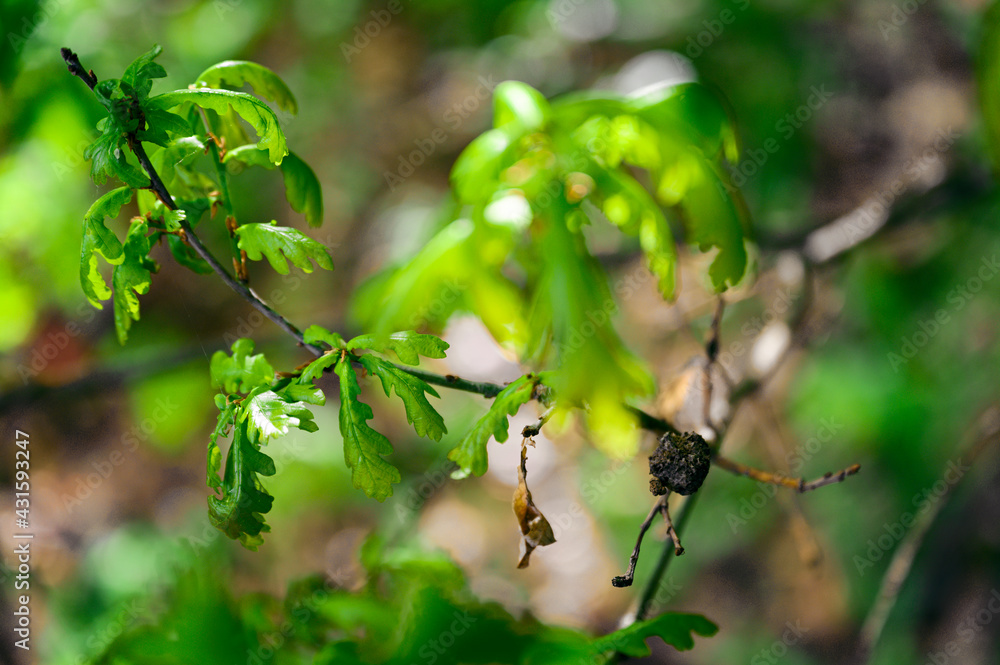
pixel 535 529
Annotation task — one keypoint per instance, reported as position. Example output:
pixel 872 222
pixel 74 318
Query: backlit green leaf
pixel 130 278
pixel 251 109
pixel 239 512
pixel 673 628
pixel 269 414
pixel 425 419
pixel 266 84
pixel 240 372
pixel 470 455
pixel 363 446
pixel 98 239
pixel 279 242
pixel 407 345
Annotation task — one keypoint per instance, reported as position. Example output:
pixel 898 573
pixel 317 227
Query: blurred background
pixel 870 335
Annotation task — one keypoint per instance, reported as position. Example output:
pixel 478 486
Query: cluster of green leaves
pixel 517 256
pixel 256 406
pixel 180 127
pixel 415 606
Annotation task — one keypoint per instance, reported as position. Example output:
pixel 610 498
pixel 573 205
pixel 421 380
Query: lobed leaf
pixel 302 188
pixel 240 372
pixel 470 454
pixel 140 74
pixel 674 628
pixel 269 414
pixel 239 511
pixel 98 239
pixel 363 446
pixel 425 419
pixel 236 73
pixel 133 276
pixel 407 345
pixel 251 109
pixel 278 242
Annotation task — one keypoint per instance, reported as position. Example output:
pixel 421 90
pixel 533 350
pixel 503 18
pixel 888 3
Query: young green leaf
pixel 142 71
pixel 275 241
pixel 98 239
pixel 425 419
pixel 239 511
pixel 222 427
pixel 266 84
pixel 302 189
pixel 363 446
pixel 130 278
pixel 251 109
pixel 673 628
pixel 240 372
pixel 107 158
pixel 407 345
pixel 269 414
pixel 470 455
pixel 318 334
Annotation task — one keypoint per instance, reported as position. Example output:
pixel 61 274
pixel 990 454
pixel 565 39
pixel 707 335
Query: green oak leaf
pixel 269 414
pixel 240 372
pixel 239 512
pixel 425 419
pixel 131 278
pixel 674 628
pixel 266 84
pixel 318 334
pixel 278 242
pixel 363 446
pixel 251 109
pixel 470 454
pixel 302 188
pixel 142 71
pixel 98 239
pixel 407 345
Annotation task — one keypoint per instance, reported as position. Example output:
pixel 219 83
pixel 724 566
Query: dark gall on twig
pixel 679 464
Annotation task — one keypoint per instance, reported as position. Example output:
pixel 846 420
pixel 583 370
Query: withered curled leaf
pixel 535 529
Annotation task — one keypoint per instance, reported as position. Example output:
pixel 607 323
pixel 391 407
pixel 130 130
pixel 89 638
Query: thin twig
pixel 797 484
pixel 626 579
pixel 901 563
pixel 671 531
pixel 534 428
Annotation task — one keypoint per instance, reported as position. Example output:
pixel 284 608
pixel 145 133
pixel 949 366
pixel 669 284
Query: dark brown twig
pixel 797 484
pixel 626 579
